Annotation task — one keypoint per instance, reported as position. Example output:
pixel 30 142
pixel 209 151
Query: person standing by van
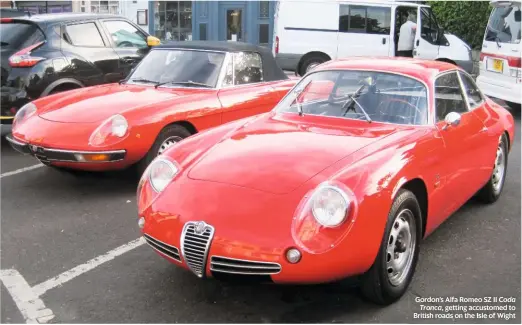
pixel 407 36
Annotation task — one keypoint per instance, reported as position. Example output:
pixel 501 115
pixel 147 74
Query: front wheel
pixel 393 269
pixel 492 190
pixel 168 137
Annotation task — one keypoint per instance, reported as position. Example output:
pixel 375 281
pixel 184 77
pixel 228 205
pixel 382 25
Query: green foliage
pixel 465 19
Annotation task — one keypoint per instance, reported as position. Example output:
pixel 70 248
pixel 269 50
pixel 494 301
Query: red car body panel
pixel 248 177
pixel 67 120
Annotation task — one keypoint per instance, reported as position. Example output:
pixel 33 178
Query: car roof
pixel 69 16
pixel 425 70
pixel 270 68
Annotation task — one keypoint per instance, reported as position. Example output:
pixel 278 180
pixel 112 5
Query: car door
pixel 128 41
pixel 244 92
pixel 463 141
pixel 426 37
pixel 477 104
pixel 92 60
pixel 364 30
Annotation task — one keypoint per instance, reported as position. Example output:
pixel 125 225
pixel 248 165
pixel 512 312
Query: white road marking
pixel 66 276
pixel 32 308
pixel 21 170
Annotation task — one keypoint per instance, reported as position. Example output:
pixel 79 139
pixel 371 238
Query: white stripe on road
pixel 89 265
pixel 32 308
pixel 21 170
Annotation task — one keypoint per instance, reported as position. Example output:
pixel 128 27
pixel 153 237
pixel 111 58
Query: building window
pixel 203 9
pixel 105 7
pixel 173 20
pixel 263 34
pixel 202 32
pixel 264 9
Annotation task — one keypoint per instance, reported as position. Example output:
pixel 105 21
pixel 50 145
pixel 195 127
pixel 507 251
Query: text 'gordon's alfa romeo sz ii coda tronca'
pixel 357 164
pixel 177 90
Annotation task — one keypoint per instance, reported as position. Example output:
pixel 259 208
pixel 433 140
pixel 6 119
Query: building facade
pixel 243 21
pixel 42 7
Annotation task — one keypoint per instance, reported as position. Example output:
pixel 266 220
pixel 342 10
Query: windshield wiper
pixel 144 80
pixel 297 93
pixel 351 100
pixel 190 82
pixel 363 110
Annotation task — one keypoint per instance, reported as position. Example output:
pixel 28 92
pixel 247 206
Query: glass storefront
pixel 173 20
pixel 42 7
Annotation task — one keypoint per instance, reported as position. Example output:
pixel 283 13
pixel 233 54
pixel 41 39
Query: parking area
pixel 71 254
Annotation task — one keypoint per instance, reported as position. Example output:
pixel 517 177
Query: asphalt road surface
pixel 53 225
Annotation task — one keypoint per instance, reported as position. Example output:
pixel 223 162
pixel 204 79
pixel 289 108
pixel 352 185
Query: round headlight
pixel 330 206
pixel 24 112
pixel 161 172
pixel 119 126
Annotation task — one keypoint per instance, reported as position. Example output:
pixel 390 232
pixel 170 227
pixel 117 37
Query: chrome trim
pixel 203 259
pixel 16 142
pixel 269 268
pixel 169 248
pixel 470 78
pixel 84 152
pixel 430 115
pixel 454 70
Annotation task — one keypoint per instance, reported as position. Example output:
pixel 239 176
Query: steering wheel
pixel 396 100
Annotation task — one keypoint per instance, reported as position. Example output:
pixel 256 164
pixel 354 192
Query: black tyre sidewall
pixel 384 291
pixel 308 61
pixel 487 193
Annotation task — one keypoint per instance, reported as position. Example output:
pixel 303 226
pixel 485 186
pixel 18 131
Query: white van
pixel 307 33
pixel 500 73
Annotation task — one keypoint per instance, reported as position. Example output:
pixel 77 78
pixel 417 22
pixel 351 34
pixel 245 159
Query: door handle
pixel 384 40
pixel 417 43
pixel 128 60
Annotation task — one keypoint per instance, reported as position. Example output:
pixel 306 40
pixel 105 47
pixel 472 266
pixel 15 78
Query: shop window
pixel 84 35
pixel 263 34
pixel 173 20
pixel 264 9
pixel 202 32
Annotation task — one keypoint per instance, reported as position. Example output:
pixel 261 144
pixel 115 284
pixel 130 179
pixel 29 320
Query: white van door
pixel 364 30
pixel 426 38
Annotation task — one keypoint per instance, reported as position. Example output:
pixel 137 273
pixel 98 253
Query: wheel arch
pixel 446 60
pixel 418 187
pixel 59 83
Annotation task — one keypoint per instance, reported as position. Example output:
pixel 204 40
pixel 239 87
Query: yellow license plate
pixel 497 65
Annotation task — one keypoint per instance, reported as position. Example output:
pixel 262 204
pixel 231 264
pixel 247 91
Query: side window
pixel 362 19
pixel 248 68
pixel 472 92
pixel 228 80
pixel 124 34
pixel 86 34
pixel 429 27
pixel 448 96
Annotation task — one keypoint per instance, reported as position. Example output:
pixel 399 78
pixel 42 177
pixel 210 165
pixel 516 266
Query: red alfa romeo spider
pixel 177 90
pixel 358 163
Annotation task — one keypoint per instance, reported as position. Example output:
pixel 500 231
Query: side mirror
pixel 452 119
pixel 153 41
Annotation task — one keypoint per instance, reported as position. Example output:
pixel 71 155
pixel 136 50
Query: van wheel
pixel 391 273
pixel 311 62
pixel 169 136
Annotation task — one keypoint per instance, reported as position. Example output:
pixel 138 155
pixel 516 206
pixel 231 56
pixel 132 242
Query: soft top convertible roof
pixel 271 71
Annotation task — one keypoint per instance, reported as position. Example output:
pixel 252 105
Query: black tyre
pixel 310 63
pixel 391 273
pixel 514 106
pixel 169 136
pixel 493 189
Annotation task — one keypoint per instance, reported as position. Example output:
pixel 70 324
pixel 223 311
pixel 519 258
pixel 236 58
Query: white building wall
pixel 129 9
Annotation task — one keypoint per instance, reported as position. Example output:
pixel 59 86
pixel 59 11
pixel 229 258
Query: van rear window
pixel 18 35
pixel 504 25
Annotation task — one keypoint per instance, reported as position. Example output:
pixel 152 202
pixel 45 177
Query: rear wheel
pixel 393 269
pixel 168 137
pixel 492 190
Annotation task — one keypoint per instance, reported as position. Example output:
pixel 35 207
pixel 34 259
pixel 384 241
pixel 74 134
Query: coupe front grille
pixel 195 242
pixel 163 248
pixel 235 266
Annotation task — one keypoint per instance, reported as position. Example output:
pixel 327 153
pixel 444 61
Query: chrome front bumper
pixel 48 155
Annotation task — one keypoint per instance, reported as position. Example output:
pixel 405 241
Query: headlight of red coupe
pixel 324 217
pixel 154 180
pixel 23 113
pixel 111 131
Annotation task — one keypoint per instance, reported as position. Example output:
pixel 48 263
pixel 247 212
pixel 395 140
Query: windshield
pixel 365 95
pixel 504 25
pixel 189 67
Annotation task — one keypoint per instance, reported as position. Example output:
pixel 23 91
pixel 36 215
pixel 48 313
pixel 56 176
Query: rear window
pixel 504 25
pixel 19 35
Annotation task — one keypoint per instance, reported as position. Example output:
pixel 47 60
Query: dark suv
pixel 49 53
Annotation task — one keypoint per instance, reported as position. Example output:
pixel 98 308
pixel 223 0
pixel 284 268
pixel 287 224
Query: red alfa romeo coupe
pixel 357 164
pixel 177 90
